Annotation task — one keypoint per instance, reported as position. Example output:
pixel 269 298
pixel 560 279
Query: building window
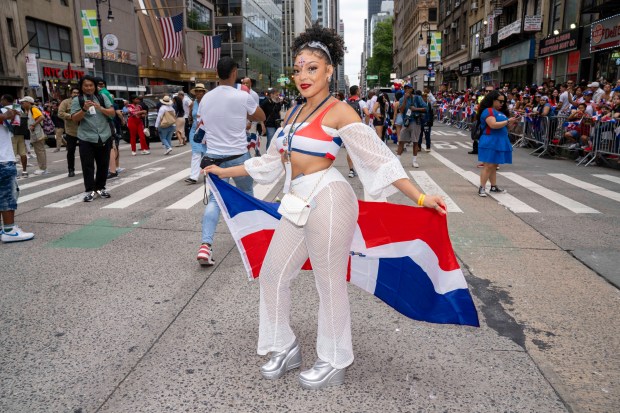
pixel 51 42
pixel 199 17
pixel 11 27
pixel 432 15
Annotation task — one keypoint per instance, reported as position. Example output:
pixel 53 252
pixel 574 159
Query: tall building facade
pixel 296 17
pixel 323 12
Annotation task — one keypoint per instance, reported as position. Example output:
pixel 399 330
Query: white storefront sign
pixel 532 23
pixel 491 65
pixel 512 28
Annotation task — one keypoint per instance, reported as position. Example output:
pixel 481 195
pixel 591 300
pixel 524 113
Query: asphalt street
pixel 107 310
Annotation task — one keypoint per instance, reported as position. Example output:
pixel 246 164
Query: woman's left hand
pixel 435 202
pixel 213 169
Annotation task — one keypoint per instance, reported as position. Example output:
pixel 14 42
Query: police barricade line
pixel 605 141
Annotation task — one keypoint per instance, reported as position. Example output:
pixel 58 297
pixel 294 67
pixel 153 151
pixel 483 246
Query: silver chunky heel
pixel 321 375
pixel 281 362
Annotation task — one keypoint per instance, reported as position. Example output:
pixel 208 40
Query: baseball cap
pixel 408 85
pixel 594 84
pixel 28 99
pixel 587 93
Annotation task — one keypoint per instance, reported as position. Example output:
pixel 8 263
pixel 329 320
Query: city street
pixel 107 309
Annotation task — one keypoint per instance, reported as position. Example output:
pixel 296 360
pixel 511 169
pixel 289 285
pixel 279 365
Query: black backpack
pixel 355 104
pixel 476 131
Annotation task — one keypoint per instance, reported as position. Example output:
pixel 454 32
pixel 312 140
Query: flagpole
pixel 185 41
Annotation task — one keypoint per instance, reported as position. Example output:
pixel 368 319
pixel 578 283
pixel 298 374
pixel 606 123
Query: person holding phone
pixel 494 147
pixel 92 110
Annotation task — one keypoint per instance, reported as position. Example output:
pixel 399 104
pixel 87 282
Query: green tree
pixel 381 62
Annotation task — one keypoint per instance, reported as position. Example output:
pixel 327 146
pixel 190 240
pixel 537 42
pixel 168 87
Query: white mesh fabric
pixel 266 168
pixel 326 239
pixel 374 162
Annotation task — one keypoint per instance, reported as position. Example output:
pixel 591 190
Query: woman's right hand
pixel 213 169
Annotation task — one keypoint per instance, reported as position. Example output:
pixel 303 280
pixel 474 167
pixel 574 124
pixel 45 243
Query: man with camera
pixel 413 107
pixel 223 114
pixel 272 107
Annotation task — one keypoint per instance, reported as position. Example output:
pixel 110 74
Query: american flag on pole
pixel 212 46
pixel 172 28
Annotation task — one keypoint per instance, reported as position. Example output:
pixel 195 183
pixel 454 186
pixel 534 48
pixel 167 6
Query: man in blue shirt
pixel 412 107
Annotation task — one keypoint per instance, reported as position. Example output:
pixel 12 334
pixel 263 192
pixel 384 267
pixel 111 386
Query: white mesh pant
pixel 326 239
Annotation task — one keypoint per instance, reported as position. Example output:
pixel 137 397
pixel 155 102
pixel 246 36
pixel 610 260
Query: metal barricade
pixel 605 142
pixel 536 131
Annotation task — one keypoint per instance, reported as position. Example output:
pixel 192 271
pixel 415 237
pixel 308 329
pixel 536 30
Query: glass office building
pixel 252 35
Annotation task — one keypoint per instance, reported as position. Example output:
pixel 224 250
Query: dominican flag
pixel 212 46
pixel 172 28
pixel 400 254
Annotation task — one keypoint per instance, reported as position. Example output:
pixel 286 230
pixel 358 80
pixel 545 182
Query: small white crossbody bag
pixel 297 209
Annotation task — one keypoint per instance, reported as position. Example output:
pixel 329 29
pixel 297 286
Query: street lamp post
pixel 427 26
pixel 229 24
pixel 247 62
pixel 110 19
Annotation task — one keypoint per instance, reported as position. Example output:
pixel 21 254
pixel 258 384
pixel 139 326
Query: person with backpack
pixel 37 135
pixel 165 123
pixel 20 132
pixel 412 107
pixel 92 111
pixel 272 107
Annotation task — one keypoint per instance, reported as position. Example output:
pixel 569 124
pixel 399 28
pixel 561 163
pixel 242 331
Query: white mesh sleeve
pixel 374 162
pixel 268 167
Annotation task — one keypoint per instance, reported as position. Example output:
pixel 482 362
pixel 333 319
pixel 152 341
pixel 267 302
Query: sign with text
pixel 59 73
pixel 605 34
pixel 32 70
pixel 435 52
pixel 561 43
pixel 512 28
pixel 532 23
pixel 471 68
pixel 491 65
pixel 372 77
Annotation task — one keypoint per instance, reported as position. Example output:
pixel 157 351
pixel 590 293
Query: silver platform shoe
pixel 281 362
pixel 321 375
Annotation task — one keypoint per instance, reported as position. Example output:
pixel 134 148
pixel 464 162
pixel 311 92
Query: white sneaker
pixel 16 235
pixel 41 172
pixel 415 164
pixel 133 153
pixel 168 150
pixel 146 152
pixel 24 174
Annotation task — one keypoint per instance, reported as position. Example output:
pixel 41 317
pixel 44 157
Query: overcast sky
pixel 353 13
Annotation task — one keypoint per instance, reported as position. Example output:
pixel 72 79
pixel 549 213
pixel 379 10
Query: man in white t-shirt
pixel 370 104
pixel 9 232
pixel 223 114
pixel 187 105
pixel 565 98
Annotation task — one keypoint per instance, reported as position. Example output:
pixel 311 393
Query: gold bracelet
pixel 421 200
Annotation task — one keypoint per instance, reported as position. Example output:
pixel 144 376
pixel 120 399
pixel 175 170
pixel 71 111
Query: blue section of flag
pixel 177 22
pixel 217 41
pixel 403 285
pixel 237 201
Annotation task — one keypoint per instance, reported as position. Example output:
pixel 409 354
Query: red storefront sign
pixel 605 34
pixel 57 73
pixel 572 66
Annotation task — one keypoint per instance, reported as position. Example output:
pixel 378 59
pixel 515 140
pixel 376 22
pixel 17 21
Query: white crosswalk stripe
pixel 561 200
pixel 165 158
pixel 192 199
pixel 609 178
pixel 44 181
pixel 29 197
pixel 148 191
pixel 507 200
pixel 588 187
pixel 115 183
pixel 429 186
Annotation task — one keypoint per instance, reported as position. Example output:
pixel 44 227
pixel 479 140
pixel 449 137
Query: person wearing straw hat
pixel 165 123
pixel 198 148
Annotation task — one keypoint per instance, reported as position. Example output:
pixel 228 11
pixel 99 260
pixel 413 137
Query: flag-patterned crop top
pixel 311 138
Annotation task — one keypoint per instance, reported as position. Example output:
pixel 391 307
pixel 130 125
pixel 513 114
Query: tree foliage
pixel 381 62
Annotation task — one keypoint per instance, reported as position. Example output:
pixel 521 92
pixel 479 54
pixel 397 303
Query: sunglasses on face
pixel 501 100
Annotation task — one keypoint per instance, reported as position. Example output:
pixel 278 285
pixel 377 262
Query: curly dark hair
pixel 488 100
pixel 329 37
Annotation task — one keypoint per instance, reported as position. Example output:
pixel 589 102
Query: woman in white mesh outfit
pixel 305 148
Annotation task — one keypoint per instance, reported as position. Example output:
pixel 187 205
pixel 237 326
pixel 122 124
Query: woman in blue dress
pixel 494 147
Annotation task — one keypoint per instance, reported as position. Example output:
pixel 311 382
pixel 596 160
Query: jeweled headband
pixel 316 45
